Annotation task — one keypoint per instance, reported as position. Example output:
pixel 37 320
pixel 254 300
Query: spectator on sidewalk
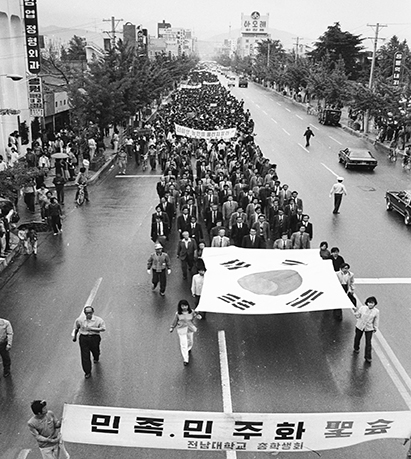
pixel 59 183
pixel 54 213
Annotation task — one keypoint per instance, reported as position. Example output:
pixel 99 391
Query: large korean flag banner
pixel 259 281
pixel 211 431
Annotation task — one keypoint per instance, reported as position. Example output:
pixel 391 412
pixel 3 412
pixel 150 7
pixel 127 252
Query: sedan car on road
pixel 242 82
pixel 401 202
pixel 357 157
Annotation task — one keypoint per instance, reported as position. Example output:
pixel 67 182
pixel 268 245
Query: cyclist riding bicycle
pixel 82 179
pixel 406 161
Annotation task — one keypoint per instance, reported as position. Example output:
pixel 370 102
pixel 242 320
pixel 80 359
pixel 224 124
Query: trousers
pixel 186 341
pixel 337 201
pixel 89 344
pixel 55 452
pixel 5 356
pixel 160 277
pixel 368 338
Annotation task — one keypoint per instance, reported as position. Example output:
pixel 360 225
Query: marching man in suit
pixel 238 231
pixel 283 243
pixel 300 239
pixel 186 252
pixel 221 240
pixel 252 241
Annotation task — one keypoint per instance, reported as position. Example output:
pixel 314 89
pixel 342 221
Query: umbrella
pixel 59 155
pixel 40 227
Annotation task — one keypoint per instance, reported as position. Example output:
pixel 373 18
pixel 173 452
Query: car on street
pixel 242 82
pixel 357 157
pixel 400 201
pixel 330 116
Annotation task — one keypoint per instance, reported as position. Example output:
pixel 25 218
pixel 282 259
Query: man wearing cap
pixel 89 327
pixel 338 190
pixel 44 426
pixel 157 264
pixel 6 340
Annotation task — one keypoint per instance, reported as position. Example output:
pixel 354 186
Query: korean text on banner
pixel 209 431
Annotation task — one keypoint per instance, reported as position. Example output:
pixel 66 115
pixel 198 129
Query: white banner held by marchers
pixel 224 134
pixel 259 281
pixel 210 431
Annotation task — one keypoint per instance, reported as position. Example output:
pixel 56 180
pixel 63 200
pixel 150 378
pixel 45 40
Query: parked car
pixel 357 157
pixel 242 82
pixel 400 201
pixel 330 116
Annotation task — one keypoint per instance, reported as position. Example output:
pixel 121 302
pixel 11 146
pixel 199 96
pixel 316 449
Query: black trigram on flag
pixel 236 301
pixel 235 264
pixel 305 298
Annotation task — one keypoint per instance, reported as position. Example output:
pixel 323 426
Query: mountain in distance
pixel 287 39
pixel 64 35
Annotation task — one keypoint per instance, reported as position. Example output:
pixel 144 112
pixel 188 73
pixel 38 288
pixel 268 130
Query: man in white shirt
pixel 338 190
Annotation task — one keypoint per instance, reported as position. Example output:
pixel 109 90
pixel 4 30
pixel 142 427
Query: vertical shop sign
pixel 32 35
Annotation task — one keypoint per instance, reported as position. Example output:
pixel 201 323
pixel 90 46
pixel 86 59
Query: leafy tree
pixel 336 45
pixel 384 64
pixel 327 81
pixel 76 50
pixel 13 178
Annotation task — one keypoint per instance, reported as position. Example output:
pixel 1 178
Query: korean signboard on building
pixel 397 68
pixel 254 23
pixel 35 97
pixel 214 431
pixel 32 35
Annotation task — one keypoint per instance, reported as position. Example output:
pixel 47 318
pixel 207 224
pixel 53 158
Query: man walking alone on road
pixel 158 264
pixel 338 190
pixel 89 327
pixel 308 134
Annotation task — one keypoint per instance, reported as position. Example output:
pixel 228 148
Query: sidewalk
pixel 109 158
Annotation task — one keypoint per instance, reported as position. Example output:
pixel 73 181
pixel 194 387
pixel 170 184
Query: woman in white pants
pixel 183 321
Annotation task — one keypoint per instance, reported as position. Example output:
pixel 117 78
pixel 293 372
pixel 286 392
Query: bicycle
pixel 392 155
pixel 406 162
pixel 80 195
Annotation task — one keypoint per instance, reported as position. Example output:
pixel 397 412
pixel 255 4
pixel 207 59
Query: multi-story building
pixel 254 29
pixel 14 101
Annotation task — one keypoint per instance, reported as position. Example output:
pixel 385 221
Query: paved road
pixel 285 363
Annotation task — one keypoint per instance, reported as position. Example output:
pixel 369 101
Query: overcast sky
pixel 303 18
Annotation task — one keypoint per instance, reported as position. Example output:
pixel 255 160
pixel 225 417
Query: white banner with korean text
pixel 210 431
pixel 189 86
pixel 259 281
pixel 224 134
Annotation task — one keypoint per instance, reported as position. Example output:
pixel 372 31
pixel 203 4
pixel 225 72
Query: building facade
pixel 14 103
pixel 254 29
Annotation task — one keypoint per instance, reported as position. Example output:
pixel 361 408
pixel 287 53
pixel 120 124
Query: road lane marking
pixel 278 103
pixel 138 176
pixel 93 292
pixel 286 132
pixel 335 140
pixel 332 172
pixel 315 127
pixel 225 381
pixel 265 113
pixel 298 116
pixel 288 110
pixel 386 280
pixel 256 105
pixel 389 362
pixel 23 453
pixel 303 148
pixel 272 119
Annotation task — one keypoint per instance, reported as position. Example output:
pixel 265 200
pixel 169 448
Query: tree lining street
pixel 280 363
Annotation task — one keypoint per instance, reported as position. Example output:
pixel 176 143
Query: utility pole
pixel 112 33
pixel 378 27
pixel 268 52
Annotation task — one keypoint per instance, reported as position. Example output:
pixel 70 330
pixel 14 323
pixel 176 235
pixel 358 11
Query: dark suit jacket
pixel 164 217
pixel 237 234
pixel 295 223
pixel 183 252
pixel 196 233
pixel 154 231
pixel 309 230
pixel 209 219
pixel 258 243
pixel 280 228
pixel 183 225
